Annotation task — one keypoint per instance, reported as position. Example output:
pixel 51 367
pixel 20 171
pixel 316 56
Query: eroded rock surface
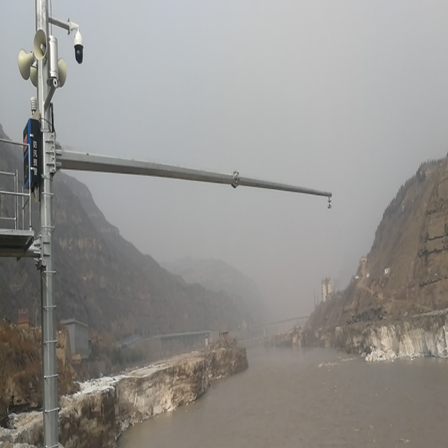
pixel 98 414
pixel 421 335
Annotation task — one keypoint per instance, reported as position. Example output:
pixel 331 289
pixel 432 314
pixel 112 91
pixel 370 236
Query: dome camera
pixel 79 48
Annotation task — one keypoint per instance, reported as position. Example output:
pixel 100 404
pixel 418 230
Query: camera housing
pixel 79 48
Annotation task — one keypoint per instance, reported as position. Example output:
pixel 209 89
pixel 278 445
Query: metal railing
pixel 21 200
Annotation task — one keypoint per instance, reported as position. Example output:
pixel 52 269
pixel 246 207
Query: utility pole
pixel 45 263
pixel 47 73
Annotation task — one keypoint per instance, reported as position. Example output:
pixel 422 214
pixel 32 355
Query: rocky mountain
pixel 218 276
pixel 102 279
pixel 406 270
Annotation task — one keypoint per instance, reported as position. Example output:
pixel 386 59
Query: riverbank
pixel 416 336
pixel 292 397
pixel 104 408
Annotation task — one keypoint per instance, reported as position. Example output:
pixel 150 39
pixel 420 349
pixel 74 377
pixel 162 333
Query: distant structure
pixel 327 289
pixel 78 334
pixel 22 320
pixel 224 332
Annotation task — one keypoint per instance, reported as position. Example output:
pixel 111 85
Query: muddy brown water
pixel 310 398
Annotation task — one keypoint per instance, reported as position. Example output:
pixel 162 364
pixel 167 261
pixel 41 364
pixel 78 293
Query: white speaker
pixel 40 45
pixel 25 61
pixel 33 74
pixel 62 72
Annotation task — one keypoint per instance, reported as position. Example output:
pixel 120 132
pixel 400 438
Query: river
pixel 310 398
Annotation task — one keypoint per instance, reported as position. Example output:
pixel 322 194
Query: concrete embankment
pixel 98 414
pixel 417 336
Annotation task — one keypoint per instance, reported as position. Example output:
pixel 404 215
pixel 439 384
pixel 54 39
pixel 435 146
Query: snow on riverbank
pixel 104 407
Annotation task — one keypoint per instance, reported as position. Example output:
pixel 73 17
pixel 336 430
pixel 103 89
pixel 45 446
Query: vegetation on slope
pixel 21 369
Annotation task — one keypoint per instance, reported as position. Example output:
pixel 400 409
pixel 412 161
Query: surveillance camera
pixel 78 47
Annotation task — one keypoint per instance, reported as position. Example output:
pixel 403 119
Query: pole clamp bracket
pixel 236 179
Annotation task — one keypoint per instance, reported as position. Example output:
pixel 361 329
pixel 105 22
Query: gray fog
pixel 344 96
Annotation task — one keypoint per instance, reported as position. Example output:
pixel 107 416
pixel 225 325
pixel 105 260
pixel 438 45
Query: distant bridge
pixel 259 333
pixel 162 345
pixel 170 344
pixel 300 320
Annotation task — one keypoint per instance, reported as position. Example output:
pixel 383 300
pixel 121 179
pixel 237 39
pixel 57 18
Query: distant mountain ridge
pixel 102 279
pixel 218 276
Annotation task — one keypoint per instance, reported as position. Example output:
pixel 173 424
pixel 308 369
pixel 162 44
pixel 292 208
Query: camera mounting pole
pixel 45 261
pixel 51 74
pixel 68 25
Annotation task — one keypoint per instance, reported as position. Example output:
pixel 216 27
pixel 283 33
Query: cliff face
pixel 97 415
pixel 416 336
pixel 406 271
pixel 396 304
pixel 102 279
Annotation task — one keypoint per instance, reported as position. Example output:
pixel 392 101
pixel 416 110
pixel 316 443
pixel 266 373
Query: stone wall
pixel 98 414
pixel 417 336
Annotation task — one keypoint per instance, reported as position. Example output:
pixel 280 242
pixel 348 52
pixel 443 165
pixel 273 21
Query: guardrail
pixel 21 200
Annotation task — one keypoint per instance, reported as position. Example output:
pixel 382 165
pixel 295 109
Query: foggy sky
pixel 345 96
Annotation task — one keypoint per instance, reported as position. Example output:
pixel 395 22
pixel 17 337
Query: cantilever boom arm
pixel 71 160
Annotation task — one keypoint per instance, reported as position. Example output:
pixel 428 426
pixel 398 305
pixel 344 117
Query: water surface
pixel 310 398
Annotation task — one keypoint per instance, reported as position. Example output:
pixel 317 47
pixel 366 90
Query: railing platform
pixel 15 243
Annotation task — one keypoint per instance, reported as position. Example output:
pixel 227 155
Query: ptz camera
pixel 79 48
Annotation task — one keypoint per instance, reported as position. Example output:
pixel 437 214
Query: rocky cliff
pixel 102 279
pixel 98 414
pixel 404 275
pixel 421 335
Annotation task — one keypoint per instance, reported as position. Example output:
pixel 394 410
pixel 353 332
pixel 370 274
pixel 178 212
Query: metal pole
pixel 5 140
pixel 60 23
pixel 29 189
pixel 50 392
pixel 92 162
pixel 16 189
